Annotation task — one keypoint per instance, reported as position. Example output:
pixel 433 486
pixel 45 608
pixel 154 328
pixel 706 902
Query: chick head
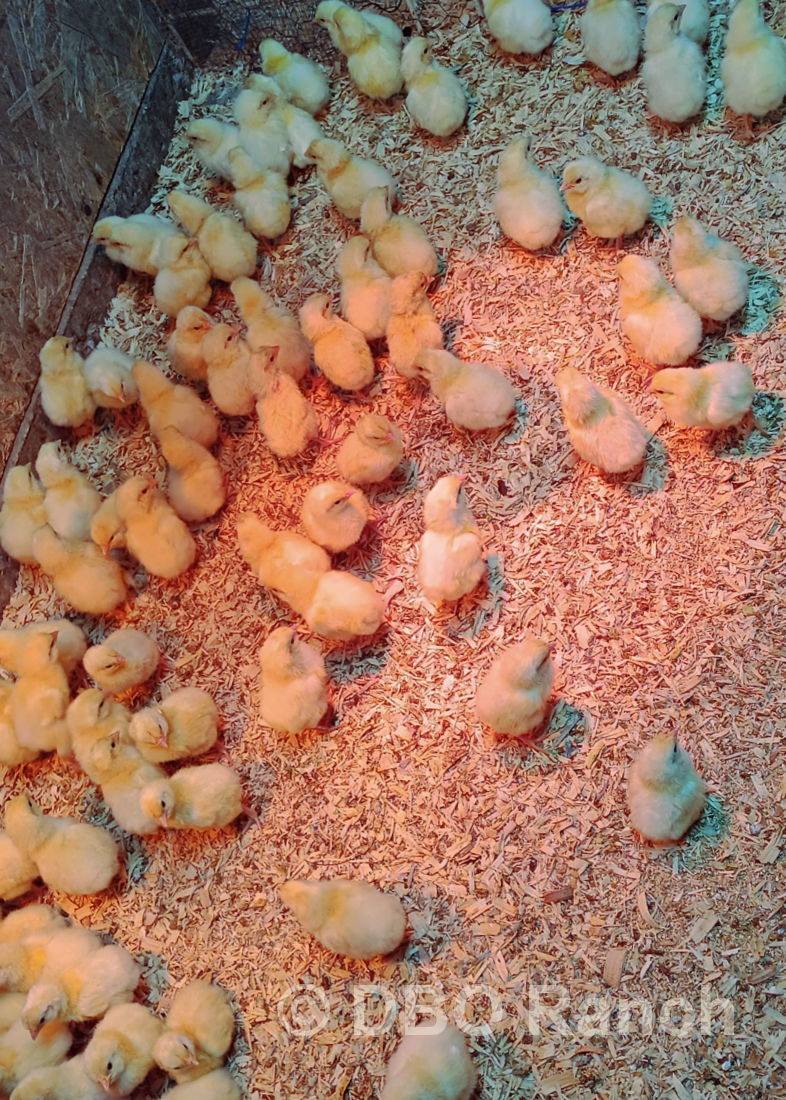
pixel 662 25
pixel 375 210
pixel 174 1052
pixel 244 169
pixel 104 229
pixel 376 431
pixel 527 664
pixel 273 54
pixel 581 400
pixel 254 537
pixel 353 28
pixel 21 484
pixel 50 461
pixel 278 650
pixel 205 133
pixel 316 315
pixel 55 352
pixel 583 174
pixel 416 58
pixel 639 275
pixel 104 1060
pixel 220 345
pixel 157 800
pixel 150 727
pixel 137 494
pixel 662 761
pixel 103 660
pixel 40 650
pixel 409 291
pixel 267 89
pixel 445 507
pixel 43 1004
pixel 326 12
pixel 436 366
pixel 193 321
pixel 353 256
pixel 689 234
pixel 675 386
pixel 328 154
pixel 188 209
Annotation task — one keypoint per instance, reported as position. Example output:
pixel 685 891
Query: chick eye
pixel 577 180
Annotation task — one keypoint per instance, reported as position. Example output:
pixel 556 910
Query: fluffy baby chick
pixel 665 792
pixel 198 1033
pixel 373 57
pixel 227 356
pixel 195 482
pixel 753 68
pixel 68 1081
pixel 348 916
pixel 70 855
pixel 334 515
pixel 715 396
pixel 40 698
pixel 475 395
pixel 119 1055
pixel 435 96
pixel 122 790
pixel 302 129
pixel 674 73
pixel 212 141
pixel 450 559
pixel 527 202
pixel 10 1009
pixel 107 529
pixel 184 346
pixel 263 134
pixel 34 924
pixel 600 423
pixel 271 326
pixel 98 726
pixel 398 243
pixel 165 403
pixel 343 606
pixel 433 1065
pixel 371 451
pixel 22 1054
pixel 302 82
pixel 340 350
pixel 65 397
pixel 184 279
pixel 610 203
pixel 287 420
pixel 260 196
pixel 611 34
pixel 208 796
pixel 346 178
pixel 12 753
pixel 17 871
pixel 412 328
pixel 155 534
pixel 695 20
pixel 513 696
pixel 282 560
pixel 108 375
pixel 138 241
pixel 709 273
pixel 124 659
pixel 69 643
pixel 219 1084
pixel 326 13
pixel 293 696
pixel 22 513
pixel 83 576
pixel 520 26
pixel 184 724
pixel 23 936
pixel 70 500
pixel 660 324
pixel 365 288
pixel 229 250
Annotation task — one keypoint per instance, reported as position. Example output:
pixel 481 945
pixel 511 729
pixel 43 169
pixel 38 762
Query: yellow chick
pixel 212 141
pixel 198 1033
pixel 98 726
pixel 365 288
pixel 263 134
pixel 450 558
pixel 600 423
pixel 260 196
pixel 107 529
pixel 155 534
pixel 326 13
pixel 22 513
pixel 227 356
pixel 70 500
pixel 435 96
pixel 166 403
pixel 270 326
pixel 184 279
pixel 611 34
pixel 69 643
pixel 119 1055
pixel 217 1085
pixel 342 606
pixel 371 451
pixel 184 724
pixel 346 178
pixel 665 792
pixel 433 1065
pixel 124 659
pixel 334 515
pixel 753 68
pixel 138 241
pixel 513 696
pixel 475 395
pixel 22 1054
pixel 673 73
pixel 695 20
pixel 347 916
pixel 17 871
pixel 68 1081
pixel 610 203
pixel 293 695
pixel 340 350
pixel 34 924
pixel 373 58
pixel 184 346
pixel 122 790
pixel 83 576
pixel 10 1009
pixel 715 396
pixel 65 398
pixel 527 201
pixel 24 935
pixel 709 273
pixel 208 796
pixel 40 698
pixel 287 420
pixel 229 250
pixel 195 483
pixel 660 324
pixel 301 80
pixel 12 753
pixel 398 243
pixel 282 560
pixel 412 328
pixel 108 375
pixel 520 26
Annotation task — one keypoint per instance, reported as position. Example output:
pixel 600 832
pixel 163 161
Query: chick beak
pixel 162 740
pixel 105 1083
pixel 35 1031
pixel 163 821
pixel 191 1059
pixel 105 549
pixel 564 186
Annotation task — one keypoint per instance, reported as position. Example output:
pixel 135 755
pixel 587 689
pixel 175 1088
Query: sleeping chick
pixel 12 754
pixel 371 451
pixel 301 80
pixel 334 515
pixel 183 724
pixel 365 288
pixel 138 241
pixel 398 243
pixel 610 203
pixel 122 790
pixel 475 395
pixel 40 698
pixel 119 1055
pixel 184 277
pixel 198 1033
pixel 263 134
pixel 513 696
pixel 434 1065
pixel 70 500
pixel 219 1084
pixel 450 558
pixel 228 249
pixel 22 513
pixel 660 324
pixel 22 1054
pixel 124 659
pixel 83 576
pixel 347 916
pixel 600 423
pixel 715 396
pixel 753 68
pixel 195 482
pixel 520 26
pixel 611 35
pixel 98 726
pixel 342 606
pixel 435 96
pixel 208 796
pixel 165 403
pixel 108 375
pixel 695 20
pixel 665 792
pixel 34 924
pixel 70 855
pixel 17 872
pixel 347 178
pixel 527 202
pixel 68 1081
pixel 412 328
pixel 184 346
pixel 340 350
pixel 673 73
pixel 270 326
pixel 69 643
pixel 709 273
pixel 282 560
pixel 65 398
pixel 227 356
pixel 293 696
pixel 373 58
pixel 212 141
pixel 260 196
pixel 155 534
pixel 287 420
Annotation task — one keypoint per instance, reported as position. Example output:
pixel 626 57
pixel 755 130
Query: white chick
pixel 227 356
pixel 665 792
pixel 184 279
pixel 450 558
pixel 22 1054
pixel 108 375
pixel 326 13
pixel 371 451
pixel 68 1081
pixel 600 423
pixel 520 26
pixel 122 789
pixel 287 420
pixel 23 935
pixel 340 350
pixel 139 241
pixel 70 501
pixel 229 250
pixel 260 196
pixel 166 403
pixel 119 1055
pixel 65 398
pixel 124 659
pixel 437 1066
pixel 334 515
pixel 753 68
pixel 263 134
pixel 347 916
pixel 182 725
pixel 155 534
pixel 302 82
pixel 197 1035
pixel 673 73
pixel 270 325
pixel 34 924
pixel 282 560
pixel 412 328
pixel 184 346
pixel 17 871
pixel 69 643
pixel 346 178
pixel 527 201
pixel 709 273
pixel 212 141
pixel 195 482
pixel 435 96
pixel 40 698
pixel 301 131
pixel 22 513
pixel 343 607
pixel 513 696
pixel 398 242
pixel 219 1084
pixel 610 203
pixel 365 288
pixel 715 396
pixel 293 696
pixel 611 33
pixel 83 576
pixel 475 395
pixel 98 726
pixel 11 752
pixel 373 58
pixel 695 21
pixel 660 324
pixel 208 796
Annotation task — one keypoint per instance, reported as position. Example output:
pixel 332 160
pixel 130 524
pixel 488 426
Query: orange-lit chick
pixel 40 698
pixel 450 558
pixel 166 402
pixel 200 1025
pixel 98 725
pixel 695 20
pixel 263 134
pixel 182 725
pixel 520 26
pixel 365 288
pixel 665 792
pixel 753 68
pixel 22 513
pixel 715 396
pixel 23 936
pixel 611 34
pixel 184 346
pixel 288 421
pixel 347 178
pixel 674 73
pixel 119 1055
pixel 600 423
pixel 195 483
pixel 65 397
pixel 347 916
pixel 22 1054
pixel 228 249
pixel 293 695
pixel 68 1081
pixel 270 326
pixel 300 79
pixel 475 395
pixel 212 141
pixel 83 576
pixel 227 355
pixel 412 327
pixel 435 96
pixel 17 871
pixel 70 500
pixel 434 1065
pixel 12 753
pixel 513 696
pixel 183 278
pixel 10 1009
pixel 155 534
pixel 282 560
pixel 107 529
pixel 609 202
pixel 334 515
pixel 709 273
pixel 373 58
pixel 527 202
pixel 659 323
pixel 124 659
pixel 208 796
pixel 139 241
pixel 343 606
pixel 108 375
pixel 261 196
pixel 340 350
pixel 398 243
pixel 219 1084
pixel 371 451
pixel 34 924
pixel 70 643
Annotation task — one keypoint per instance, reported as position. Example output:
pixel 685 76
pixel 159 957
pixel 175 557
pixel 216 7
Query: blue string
pixel 242 42
pixel 568 7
